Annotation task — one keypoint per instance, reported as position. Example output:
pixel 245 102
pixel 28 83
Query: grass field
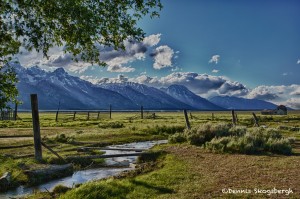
pixel 185 171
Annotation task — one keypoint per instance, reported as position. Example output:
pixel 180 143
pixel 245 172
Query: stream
pixel 87 175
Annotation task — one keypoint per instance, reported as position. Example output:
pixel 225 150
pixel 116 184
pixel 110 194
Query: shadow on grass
pixel 159 189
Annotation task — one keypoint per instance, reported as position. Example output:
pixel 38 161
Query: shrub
pixel 113 125
pixel 279 146
pixel 218 144
pixel 237 130
pixel 170 130
pixel 206 132
pixel 64 139
pixel 60 189
pixel 221 138
pixel 253 142
pixel 177 138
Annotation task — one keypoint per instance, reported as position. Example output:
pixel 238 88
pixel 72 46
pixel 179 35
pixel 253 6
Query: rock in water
pixel 5 181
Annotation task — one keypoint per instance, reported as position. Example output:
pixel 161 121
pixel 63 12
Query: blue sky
pixel 255 39
pixel 246 48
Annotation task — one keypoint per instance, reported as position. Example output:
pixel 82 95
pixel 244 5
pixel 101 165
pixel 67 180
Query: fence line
pixel 8 115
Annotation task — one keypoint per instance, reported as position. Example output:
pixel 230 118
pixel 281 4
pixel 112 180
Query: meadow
pixel 181 171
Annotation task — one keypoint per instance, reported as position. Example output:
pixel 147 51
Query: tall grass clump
pixel 113 125
pixel 254 141
pixel 170 130
pixel 223 138
pixel 206 132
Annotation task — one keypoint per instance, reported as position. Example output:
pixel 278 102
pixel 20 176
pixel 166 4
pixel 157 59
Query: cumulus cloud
pixel 285 94
pixel 201 84
pixel 89 78
pixel 298 62
pixel 215 71
pixel 208 86
pixel 162 57
pixel 117 60
pixel 152 40
pixel 296 91
pixel 294 103
pixel 214 59
pixel 119 79
pixel 263 93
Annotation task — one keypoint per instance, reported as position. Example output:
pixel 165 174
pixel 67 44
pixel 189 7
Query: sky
pixel 243 48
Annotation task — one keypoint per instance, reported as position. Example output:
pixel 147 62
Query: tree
pixel 81 26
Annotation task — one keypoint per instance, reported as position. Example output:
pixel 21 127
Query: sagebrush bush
pixel 279 146
pixel 170 130
pixel 60 189
pixel 113 125
pixel 250 143
pixel 177 138
pixel 238 139
pixel 218 144
pixel 206 132
pixel 63 138
pixel 237 130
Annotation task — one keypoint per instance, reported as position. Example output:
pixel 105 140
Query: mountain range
pixel 58 88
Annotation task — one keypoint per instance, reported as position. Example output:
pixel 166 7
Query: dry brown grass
pixel 239 172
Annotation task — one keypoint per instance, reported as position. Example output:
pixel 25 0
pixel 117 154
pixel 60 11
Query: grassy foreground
pixel 190 172
pixel 184 172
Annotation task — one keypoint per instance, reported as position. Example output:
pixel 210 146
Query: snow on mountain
pixel 72 92
pixel 237 103
pixel 186 96
pixel 75 93
pixel 149 97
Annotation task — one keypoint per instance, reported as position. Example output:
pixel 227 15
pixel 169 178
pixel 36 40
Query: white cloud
pixel 263 93
pixel 117 60
pixel 298 62
pixel 91 79
pixel 162 57
pixel 294 103
pixel 208 86
pixel 285 94
pixel 120 69
pixel 215 71
pixel 214 59
pixel 201 84
pixel 284 74
pixel 119 79
pixel 152 40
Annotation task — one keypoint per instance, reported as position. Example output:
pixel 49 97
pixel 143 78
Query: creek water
pixel 87 175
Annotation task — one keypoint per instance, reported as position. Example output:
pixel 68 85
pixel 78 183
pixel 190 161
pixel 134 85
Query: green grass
pixel 185 172
pixel 191 172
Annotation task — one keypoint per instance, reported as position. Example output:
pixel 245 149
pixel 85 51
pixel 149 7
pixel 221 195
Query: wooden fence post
pixel 255 120
pixel 110 111
pixel 16 111
pixel 88 115
pixel 186 119
pixel 36 127
pixel 142 112
pixel 98 116
pixel 74 115
pixel 56 117
pixel 233 118
pixel 212 116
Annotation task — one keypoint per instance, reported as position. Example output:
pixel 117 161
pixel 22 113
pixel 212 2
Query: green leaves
pixel 8 90
pixel 81 25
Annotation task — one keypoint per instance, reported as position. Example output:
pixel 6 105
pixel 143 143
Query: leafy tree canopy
pixel 81 26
